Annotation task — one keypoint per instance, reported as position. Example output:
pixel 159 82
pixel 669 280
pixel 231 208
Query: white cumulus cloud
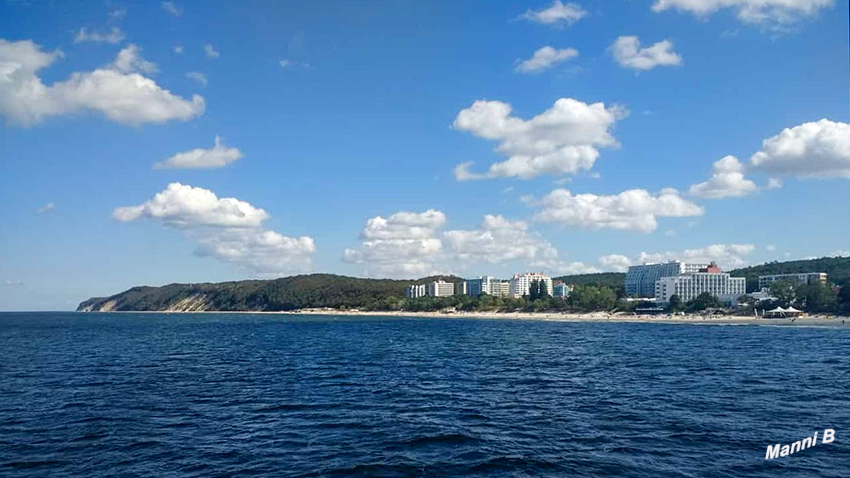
pixel 774 183
pixel 118 91
pixel 227 229
pixel 727 256
pixel 772 14
pixel 405 244
pixel 615 262
pixel 546 58
pixel 129 60
pixel 634 209
pixel 557 14
pixel 818 149
pixel 185 206
pixel 218 156
pixel 499 240
pixel 726 181
pixel 114 35
pixel 49 207
pixel 561 140
pixel 628 53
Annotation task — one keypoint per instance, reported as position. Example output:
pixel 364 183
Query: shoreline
pixel 695 319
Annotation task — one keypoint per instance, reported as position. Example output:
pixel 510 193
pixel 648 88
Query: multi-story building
pixel 441 289
pixel 689 286
pixel 504 289
pixel 520 284
pixel 414 291
pixel 460 288
pixel 640 280
pixel 561 290
pixel 483 285
pixel 802 278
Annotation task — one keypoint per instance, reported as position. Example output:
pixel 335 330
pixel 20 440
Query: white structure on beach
pixel 521 283
pixel 640 280
pixel 689 286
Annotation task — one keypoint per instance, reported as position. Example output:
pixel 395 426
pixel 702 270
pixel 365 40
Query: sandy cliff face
pixel 192 303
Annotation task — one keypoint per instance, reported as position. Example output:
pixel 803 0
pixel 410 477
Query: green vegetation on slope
pixel 614 280
pixel 837 268
pixel 287 293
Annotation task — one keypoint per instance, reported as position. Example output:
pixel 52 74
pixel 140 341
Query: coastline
pixel 693 319
pixel 815 320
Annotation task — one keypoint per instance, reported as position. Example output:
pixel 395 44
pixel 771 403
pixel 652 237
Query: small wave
pixel 442 439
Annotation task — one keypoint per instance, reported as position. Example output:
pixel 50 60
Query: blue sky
pixel 342 126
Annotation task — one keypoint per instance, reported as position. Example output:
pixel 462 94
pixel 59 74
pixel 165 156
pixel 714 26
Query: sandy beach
pixel 813 320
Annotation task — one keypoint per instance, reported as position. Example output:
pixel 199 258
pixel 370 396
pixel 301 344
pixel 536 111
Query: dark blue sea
pixel 114 395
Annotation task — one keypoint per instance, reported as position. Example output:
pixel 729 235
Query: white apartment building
pixel 441 289
pixel 504 289
pixel 415 291
pixel 802 278
pixel 689 286
pixel 484 285
pixel 520 284
pixel 640 280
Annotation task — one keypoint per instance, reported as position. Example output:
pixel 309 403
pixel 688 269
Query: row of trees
pixel 585 298
pixel 814 298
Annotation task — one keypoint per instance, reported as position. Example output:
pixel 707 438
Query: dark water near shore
pixel 240 395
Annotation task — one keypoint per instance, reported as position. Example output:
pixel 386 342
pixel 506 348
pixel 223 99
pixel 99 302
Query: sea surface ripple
pixel 102 395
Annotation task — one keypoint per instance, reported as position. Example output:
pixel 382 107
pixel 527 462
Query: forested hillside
pixel 837 268
pixel 287 293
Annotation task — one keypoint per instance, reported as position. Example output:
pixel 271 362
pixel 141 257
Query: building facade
pixel 461 288
pixel 441 289
pixel 561 290
pixel 802 278
pixel 640 280
pixel 415 291
pixel 520 284
pixel 484 285
pixel 689 286
pixel 504 289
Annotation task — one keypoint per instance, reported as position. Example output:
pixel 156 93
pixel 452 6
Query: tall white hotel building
pixel 521 283
pixel 689 286
pixel 640 280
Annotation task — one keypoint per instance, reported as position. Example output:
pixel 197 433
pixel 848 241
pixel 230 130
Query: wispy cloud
pixel 557 14
pixel 114 35
pixel 546 58
pixel 172 8
pixel 210 51
pixel 197 76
